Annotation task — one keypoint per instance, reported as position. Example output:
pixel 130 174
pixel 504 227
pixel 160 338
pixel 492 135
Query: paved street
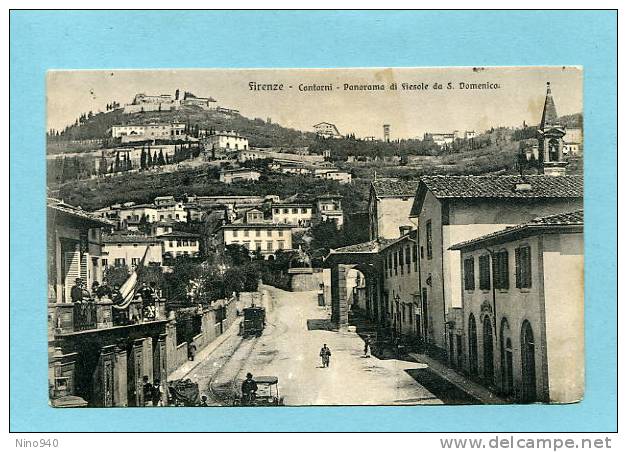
pixel 297 328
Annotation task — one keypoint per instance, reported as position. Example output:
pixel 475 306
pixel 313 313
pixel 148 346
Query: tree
pixel 142 159
pixel 116 276
pixel 117 161
pixel 161 158
pixel 149 159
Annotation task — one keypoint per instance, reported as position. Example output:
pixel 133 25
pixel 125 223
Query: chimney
pixel 406 229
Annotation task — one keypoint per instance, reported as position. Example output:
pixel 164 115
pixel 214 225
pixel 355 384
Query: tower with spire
pixel 551 139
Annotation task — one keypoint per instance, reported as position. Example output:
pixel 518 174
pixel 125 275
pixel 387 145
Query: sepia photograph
pixel 315 237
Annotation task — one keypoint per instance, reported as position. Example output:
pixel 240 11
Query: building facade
pixel 123 249
pixel 239 175
pixel 329 208
pixel 522 291
pixel 291 213
pixel 229 140
pixel 452 209
pixel 177 244
pixel 389 206
pixel 326 130
pixel 265 238
pixel 400 304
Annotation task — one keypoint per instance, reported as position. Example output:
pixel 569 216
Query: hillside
pixel 259 132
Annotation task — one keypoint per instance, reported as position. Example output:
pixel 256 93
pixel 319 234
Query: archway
pixel 528 350
pixel 507 362
pixel 472 345
pixel 488 351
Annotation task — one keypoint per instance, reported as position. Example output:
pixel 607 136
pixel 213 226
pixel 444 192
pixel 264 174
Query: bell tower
pixel 551 139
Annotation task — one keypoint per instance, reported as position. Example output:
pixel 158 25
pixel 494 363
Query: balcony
pixel 100 314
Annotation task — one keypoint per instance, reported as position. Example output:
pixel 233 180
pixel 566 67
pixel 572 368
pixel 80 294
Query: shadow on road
pixel 444 390
pixel 319 324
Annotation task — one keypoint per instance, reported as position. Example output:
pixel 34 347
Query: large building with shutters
pixel 453 209
pixel 523 305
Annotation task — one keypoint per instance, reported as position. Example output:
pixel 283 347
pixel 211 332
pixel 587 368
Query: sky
pixel 410 113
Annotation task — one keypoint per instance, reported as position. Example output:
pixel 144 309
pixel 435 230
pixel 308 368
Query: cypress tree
pixel 142 159
pixel 117 162
pixel 161 158
pixel 149 162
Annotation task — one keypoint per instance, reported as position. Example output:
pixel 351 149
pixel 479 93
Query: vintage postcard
pixel 302 237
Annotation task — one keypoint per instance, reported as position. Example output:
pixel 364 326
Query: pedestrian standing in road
pixel 191 350
pixel 203 400
pixel 367 346
pixel 325 354
pixel 157 393
pixel 147 391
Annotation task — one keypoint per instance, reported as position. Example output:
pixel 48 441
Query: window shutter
pixel 518 269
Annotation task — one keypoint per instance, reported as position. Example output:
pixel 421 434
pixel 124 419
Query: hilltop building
pixel 129 133
pixel 227 140
pixel 326 130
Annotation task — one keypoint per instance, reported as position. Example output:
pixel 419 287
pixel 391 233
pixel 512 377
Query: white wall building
pixel 239 175
pixel 227 140
pixel 292 213
pixel 327 130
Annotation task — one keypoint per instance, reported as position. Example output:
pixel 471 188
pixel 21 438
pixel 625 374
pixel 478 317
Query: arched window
pixel 472 345
pixel 528 358
pixel 554 150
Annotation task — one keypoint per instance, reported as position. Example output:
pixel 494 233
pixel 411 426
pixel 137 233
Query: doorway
pixel 488 351
pixel 528 364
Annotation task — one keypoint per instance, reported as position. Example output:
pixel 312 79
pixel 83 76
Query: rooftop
pixel 541 186
pixel 372 246
pixel 395 187
pixel 58 206
pixel 128 238
pixel 179 234
pixel 568 221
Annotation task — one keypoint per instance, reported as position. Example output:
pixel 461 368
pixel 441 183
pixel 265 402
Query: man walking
pixel 147 390
pixel 367 346
pixel 191 350
pixel 76 292
pixel 325 354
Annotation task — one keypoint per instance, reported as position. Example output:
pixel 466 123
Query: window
pixel 429 240
pixel 469 273
pixel 281 245
pixel 303 210
pixel 235 233
pixel 247 245
pixel 395 264
pixel 285 210
pixel 246 233
pixel 280 233
pixel 105 262
pixel 501 270
pixel 120 261
pixel 523 267
pixel 385 267
pixel 276 210
pixel 294 210
pixel 258 233
pixel 408 258
pixel 258 245
pixel 484 272
pixel 415 257
pixel 135 261
pixel 269 233
pixel 134 245
pixel 269 246
pixel 400 260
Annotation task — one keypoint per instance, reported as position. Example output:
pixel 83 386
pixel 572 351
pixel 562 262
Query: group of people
pixel 152 392
pixel 79 292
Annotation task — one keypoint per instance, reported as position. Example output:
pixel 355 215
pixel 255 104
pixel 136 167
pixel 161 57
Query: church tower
pixel 551 139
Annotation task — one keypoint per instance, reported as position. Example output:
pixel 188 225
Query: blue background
pixel 122 39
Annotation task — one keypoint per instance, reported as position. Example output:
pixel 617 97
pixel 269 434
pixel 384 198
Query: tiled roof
pixel 59 206
pixel 395 187
pixel 539 186
pixel 373 246
pixel 568 220
pixel 128 238
pixel 179 234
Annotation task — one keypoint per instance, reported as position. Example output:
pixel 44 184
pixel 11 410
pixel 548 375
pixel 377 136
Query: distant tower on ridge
pixel 386 133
